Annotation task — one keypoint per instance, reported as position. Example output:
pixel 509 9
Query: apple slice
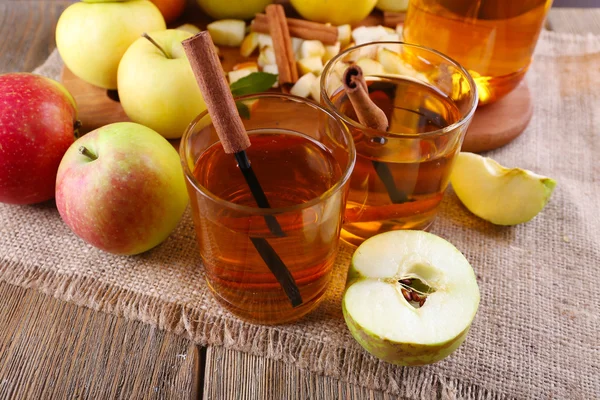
pixel 266 56
pixel 392 267
pixel 264 40
pixel 193 29
pixel 241 71
pixel 227 32
pixel 312 48
pixel 368 34
pixel 303 85
pixel 272 69
pixel 502 196
pixel 331 51
pixel 315 90
pixel 370 67
pixel 249 44
pixel 311 64
pixel 344 34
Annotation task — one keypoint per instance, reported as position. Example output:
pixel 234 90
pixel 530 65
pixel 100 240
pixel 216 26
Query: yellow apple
pixel 240 9
pixel 158 89
pixel 336 12
pixel 392 5
pixel 91 37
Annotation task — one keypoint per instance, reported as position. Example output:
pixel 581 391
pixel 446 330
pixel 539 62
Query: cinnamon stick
pixel 282 44
pixel 300 28
pixel 358 92
pixel 208 71
pixel 393 19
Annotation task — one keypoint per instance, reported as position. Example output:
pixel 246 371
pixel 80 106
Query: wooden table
pixel 53 350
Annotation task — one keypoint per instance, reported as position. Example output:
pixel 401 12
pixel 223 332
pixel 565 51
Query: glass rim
pixel 392 135
pixel 347 171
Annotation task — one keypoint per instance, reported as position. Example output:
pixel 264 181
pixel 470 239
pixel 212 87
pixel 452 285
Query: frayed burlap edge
pixel 350 366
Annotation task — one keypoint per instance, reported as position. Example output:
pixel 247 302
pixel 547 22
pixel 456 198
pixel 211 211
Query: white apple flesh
pixel 394 329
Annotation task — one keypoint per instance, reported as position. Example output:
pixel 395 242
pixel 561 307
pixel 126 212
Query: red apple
pixel 121 188
pixel 170 9
pixel 38 119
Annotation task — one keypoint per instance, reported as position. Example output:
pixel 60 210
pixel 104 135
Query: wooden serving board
pixel 493 125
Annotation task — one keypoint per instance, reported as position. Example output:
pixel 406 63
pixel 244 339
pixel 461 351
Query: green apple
pixel 92 36
pixel 238 9
pixel 502 196
pixel 392 5
pixel 121 188
pixel 392 267
pixel 336 12
pixel 157 87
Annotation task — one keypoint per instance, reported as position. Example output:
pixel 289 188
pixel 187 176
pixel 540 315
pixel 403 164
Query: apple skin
pixel 236 9
pixel 131 197
pixel 91 37
pixel 37 119
pixel 336 12
pixel 170 9
pixel 406 354
pixel 392 5
pixel 156 91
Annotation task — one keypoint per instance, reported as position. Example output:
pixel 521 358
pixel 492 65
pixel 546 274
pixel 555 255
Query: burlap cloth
pixel 536 334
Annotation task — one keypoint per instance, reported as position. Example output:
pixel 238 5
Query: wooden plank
pixel 234 375
pixel 52 349
pixel 575 20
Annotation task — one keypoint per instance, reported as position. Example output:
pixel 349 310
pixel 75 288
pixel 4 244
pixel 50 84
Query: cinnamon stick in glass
pixel 372 117
pixel 282 44
pixel 208 71
pixel 300 28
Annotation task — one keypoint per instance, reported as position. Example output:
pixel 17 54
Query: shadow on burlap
pixel 536 334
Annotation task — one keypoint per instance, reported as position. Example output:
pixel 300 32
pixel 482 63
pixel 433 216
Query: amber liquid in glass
pixel 292 169
pixel 419 166
pixel 492 39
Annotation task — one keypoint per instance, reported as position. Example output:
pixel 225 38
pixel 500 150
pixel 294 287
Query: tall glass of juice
pixel 302 157
pixel 401 173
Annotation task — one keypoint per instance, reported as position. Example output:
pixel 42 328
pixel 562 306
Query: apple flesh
pixel 121 188
pixel 503 196
pixel 397 330
pixel 157 87
pixel 38 121
pixel 91 37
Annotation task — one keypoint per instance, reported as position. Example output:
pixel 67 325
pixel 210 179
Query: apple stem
pixel 145 35
pixel 86 152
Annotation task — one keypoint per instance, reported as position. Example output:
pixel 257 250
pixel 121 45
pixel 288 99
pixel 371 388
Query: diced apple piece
pixel 193 29
pixel 334 79
pixel 312 48
pixel 368 34
pixel 272 69
pixel 344 34
pixel 266 56
pixel 391 37
pixel 331 51
pixel 297 46
pixel 249 44
pixel 303 86
pixel 315 90
pixel 264 40
pixel 310 64
pixel 370 66
pixel 227 32
pixel 246 65
pixel 236 75
pixel 391 61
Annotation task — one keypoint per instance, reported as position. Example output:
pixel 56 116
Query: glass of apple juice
pixel 302 157
pixel 401 173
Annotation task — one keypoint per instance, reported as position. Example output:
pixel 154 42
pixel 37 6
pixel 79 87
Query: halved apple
pixel 500 195
pixel 410 297
pixel 227 32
